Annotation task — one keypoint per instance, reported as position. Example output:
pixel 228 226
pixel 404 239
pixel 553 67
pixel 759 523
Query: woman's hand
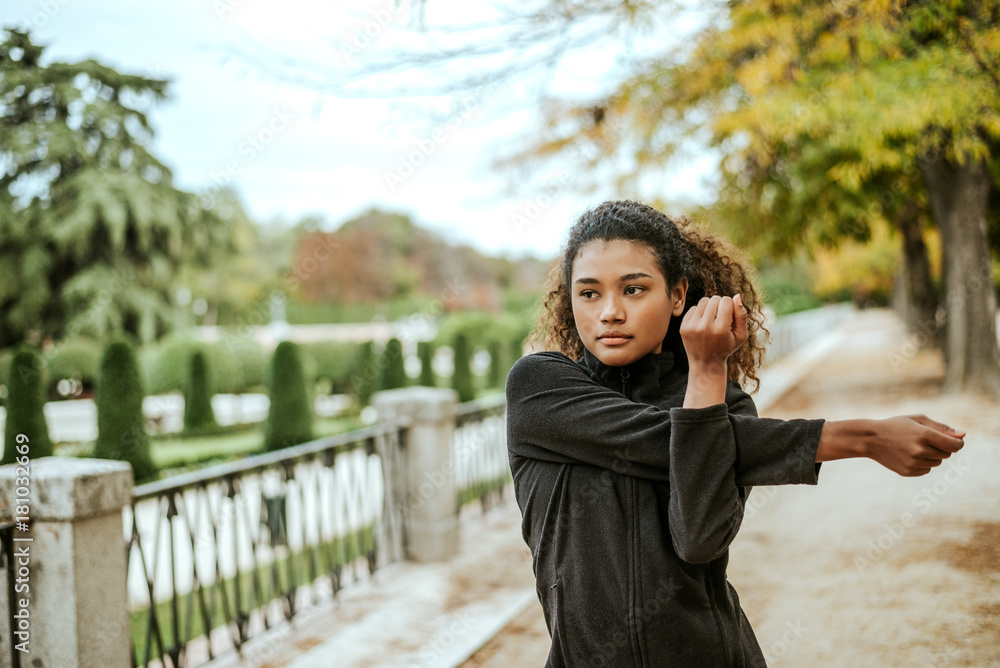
pixel 712 330
pixel 910 445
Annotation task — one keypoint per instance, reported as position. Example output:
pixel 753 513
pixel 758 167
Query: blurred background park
pixel 223 176
pixel 226 224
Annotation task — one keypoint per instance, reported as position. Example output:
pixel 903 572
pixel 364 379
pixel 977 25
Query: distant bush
pixel 26 406
pixel 165 364
pixel 335 362
pixel 480 328
pixel 249 360
pixel 121 426
pixel 198 413
pixel 237 365
pixel 497 371
pixel 392 372
pixel 425 350
pixel 461 380
pixel 74 359
pixel 289 418
pixel 365 375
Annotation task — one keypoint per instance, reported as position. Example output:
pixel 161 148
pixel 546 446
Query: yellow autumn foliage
pixel 865 272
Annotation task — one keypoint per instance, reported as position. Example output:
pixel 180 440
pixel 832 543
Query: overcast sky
pixel 292 150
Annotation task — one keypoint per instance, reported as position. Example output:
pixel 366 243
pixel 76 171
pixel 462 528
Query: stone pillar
pixel 77 600
pixel 428 498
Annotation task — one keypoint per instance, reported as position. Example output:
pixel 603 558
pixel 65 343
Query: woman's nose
pixel 611 311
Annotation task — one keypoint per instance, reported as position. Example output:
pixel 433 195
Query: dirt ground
pixel 867 568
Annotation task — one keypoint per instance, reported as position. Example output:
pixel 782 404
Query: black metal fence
pixel 229 551
pixel 479 451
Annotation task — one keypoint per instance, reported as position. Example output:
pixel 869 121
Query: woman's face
pixel 621 302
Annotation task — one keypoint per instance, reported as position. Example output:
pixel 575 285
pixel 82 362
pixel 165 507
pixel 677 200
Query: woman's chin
pixel 616 356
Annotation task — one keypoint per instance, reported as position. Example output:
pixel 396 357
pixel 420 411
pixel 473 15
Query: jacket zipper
pixel 634 605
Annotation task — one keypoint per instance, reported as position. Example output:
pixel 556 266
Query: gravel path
pixel 866 568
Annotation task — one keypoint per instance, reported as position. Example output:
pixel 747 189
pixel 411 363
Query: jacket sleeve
pixel 557 413
pixel 771 451
pixel 705 508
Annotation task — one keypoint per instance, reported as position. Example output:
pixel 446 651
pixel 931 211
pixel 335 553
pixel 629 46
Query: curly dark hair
pixel 683 249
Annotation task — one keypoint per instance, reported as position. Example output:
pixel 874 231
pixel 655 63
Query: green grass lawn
pixel 257 587
pixel 176 453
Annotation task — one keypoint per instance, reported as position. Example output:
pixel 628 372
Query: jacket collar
pixel 643 378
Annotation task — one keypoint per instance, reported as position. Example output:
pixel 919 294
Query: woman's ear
pixel 678 294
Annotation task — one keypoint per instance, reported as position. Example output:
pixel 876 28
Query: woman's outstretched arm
pixel 910 445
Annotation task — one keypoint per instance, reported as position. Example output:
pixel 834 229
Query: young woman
pixel 633 447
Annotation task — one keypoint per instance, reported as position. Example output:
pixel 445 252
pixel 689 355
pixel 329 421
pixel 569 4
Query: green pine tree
pixel 97 247
pixel 121 426
pixel 289 418
pixel 198 413
pixel 461 380
pixel 25 404
pixel 393 372
pixel 425 349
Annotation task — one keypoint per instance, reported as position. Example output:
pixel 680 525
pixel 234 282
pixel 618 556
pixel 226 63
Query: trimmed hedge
pixel 335 362
pixel 425 350
pixel 25 406
pixel 198 413
pixel 289 418
pixel 461 380
pixel 393 372
pixel 121 427
pixel 365 376
pixel 497 373
pixel 237 364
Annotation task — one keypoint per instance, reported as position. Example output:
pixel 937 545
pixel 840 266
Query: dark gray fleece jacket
pixel 629 503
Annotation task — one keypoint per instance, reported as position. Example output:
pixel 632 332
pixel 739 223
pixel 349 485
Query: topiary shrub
pixel 425 350
pixel 496 373
pixel 25 407
pixel 289 418
pixel 461 379
pixel 198 413
pixel 121 427
pixel 392 371
pixel 364 375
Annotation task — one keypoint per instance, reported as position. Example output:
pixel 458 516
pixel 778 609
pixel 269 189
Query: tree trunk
pixel 959 195
pixel 918 302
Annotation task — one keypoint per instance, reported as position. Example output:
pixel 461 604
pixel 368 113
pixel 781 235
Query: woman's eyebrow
pixel 632 277
pixel 586 280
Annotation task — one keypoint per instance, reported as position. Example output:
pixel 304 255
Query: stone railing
pixel 215 556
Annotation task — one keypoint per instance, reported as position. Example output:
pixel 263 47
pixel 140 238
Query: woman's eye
pixel 588 294
pixel 634 289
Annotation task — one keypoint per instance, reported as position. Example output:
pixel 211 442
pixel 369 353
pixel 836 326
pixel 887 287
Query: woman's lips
pixel 614 338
